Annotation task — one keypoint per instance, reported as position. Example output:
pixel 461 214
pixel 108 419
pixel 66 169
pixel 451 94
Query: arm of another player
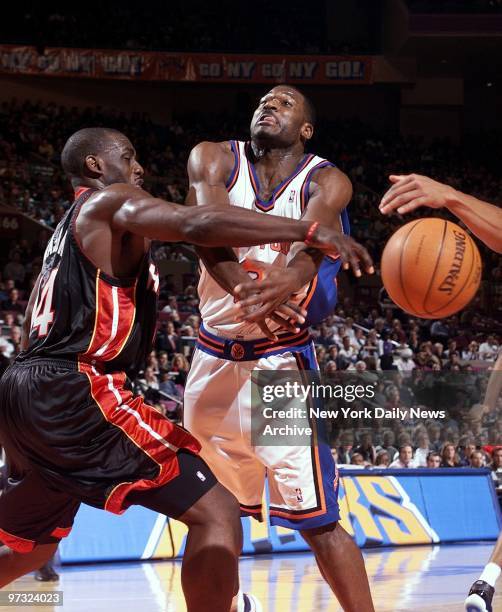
pixel 330 192
pixel 25 330
pixel 411 191
pixel 130 209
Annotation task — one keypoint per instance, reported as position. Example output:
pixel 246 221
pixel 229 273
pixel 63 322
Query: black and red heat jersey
pixel 83 314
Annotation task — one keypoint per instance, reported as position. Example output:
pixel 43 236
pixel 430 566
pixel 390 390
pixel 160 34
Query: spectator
pixel 149 379
pixel 433 460
pixel 472 352
pixel 180 367
pixel 489 349
pixel 370 347
pixel 434 431
pixel 163 362
pixel 467 446
pixel 388 444
pixel 168 386
pixel 449 457
pixel 405 363
pixel 497 468
pixel 348 353
pixel 345 450
pixel 366 448
pixel 12 303
pixel 387 362
pixel 477 459
pixel 440 331
pixel 423 450
pixel 405 458
pixel 14 269
pixel 358 459
pixel 382 459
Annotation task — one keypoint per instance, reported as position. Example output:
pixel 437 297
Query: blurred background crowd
pixel 424 85
pixel 367 335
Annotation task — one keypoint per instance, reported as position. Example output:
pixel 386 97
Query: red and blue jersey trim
pixel 234 349
pixel 234 175
pixel 268 205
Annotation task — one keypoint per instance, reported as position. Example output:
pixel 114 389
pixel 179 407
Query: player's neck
pixel 87 182
pixel 269 156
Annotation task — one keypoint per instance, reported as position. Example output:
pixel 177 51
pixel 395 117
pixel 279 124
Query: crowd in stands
pixel 364 337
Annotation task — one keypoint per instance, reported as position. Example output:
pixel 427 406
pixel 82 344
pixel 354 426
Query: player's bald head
pixel 88 141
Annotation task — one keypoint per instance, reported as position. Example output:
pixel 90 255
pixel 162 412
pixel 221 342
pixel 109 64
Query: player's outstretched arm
pixel 330 192
pixel 130 209
pixel 412 191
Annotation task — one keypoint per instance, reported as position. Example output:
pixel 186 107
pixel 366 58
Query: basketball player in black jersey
pixel 70 427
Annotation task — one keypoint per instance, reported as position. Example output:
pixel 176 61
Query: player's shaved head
pixel 85 142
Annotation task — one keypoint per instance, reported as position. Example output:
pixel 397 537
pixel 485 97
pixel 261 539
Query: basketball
pixel 431 268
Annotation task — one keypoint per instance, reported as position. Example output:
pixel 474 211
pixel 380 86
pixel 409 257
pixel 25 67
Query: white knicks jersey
pixel 289 199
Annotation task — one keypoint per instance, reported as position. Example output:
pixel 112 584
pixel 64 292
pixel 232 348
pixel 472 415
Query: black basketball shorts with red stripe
pixel 72 433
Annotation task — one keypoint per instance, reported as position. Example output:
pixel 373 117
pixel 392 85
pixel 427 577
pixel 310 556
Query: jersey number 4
pixel 43 313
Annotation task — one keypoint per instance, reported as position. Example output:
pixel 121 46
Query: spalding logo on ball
pixel 431 268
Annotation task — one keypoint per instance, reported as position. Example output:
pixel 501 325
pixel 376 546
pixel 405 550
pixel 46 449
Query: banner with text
pixel 186 67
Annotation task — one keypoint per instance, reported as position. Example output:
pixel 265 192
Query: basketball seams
pixel 473 258
pixel 438 259
pixel 401 255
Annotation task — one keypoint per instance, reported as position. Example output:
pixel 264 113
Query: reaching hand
pixel 270 299
pixel 334 242
pixel 411 191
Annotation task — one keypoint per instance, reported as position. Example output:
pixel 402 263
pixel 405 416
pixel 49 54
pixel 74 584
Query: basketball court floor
pixel 418 579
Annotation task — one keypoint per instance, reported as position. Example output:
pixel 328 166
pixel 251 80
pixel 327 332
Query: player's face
pixel 280 118
pixel 118 163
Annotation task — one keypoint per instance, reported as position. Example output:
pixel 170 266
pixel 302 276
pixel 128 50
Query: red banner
pixel 196 67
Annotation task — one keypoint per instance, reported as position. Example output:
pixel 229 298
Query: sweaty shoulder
pixel 105 202
pixel 333 181
pixel 211 161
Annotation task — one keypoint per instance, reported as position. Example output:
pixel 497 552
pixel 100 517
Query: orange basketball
pixel 431 268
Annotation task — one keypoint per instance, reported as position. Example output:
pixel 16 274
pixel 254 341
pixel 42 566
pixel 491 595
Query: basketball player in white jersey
pixel 271 174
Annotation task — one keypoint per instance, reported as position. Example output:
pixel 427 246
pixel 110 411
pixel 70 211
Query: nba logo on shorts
pixel 201 476
pixel 237 351
pixel 299 495
pixel 292 196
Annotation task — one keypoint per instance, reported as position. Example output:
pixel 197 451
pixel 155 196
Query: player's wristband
pixel 310 234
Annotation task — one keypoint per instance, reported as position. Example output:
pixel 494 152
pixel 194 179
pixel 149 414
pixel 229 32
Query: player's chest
pixel 288 203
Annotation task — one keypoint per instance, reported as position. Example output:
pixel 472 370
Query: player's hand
pixel 270 299
pixel 334 242
pixel 411 191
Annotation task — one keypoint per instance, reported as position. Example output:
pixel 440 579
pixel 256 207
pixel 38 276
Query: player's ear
pixel 307 131
pixel 93 166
